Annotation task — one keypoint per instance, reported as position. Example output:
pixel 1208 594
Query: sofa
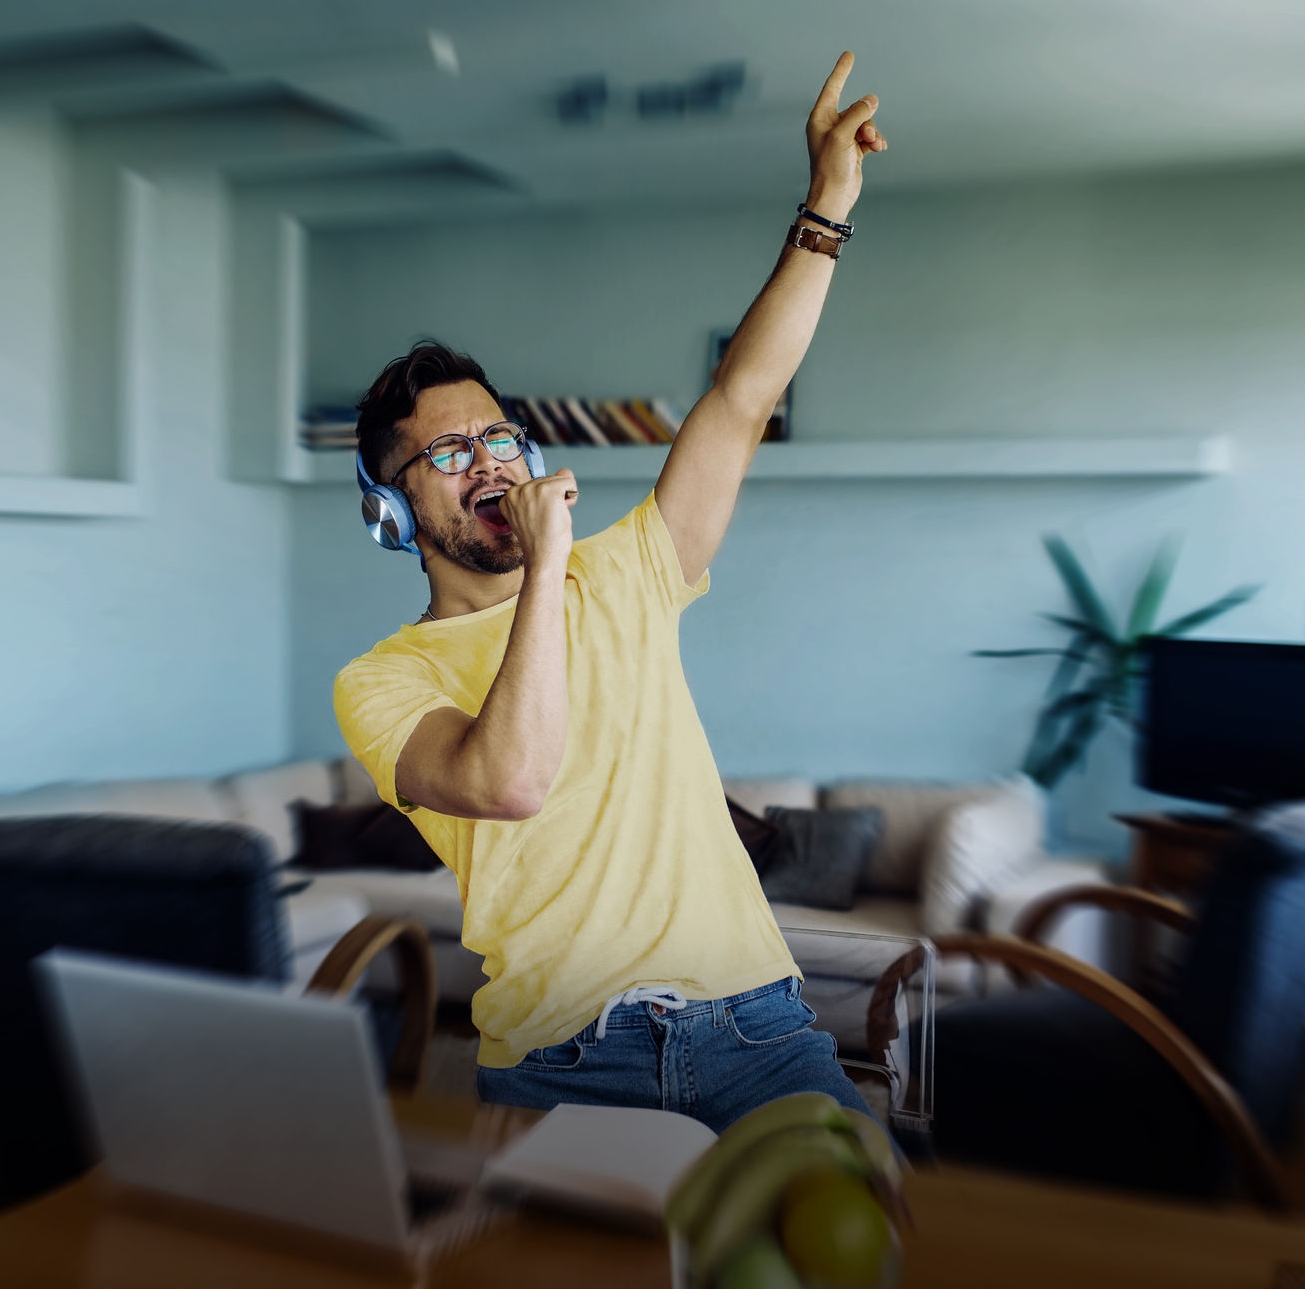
pixel 944 857
pixel 259 799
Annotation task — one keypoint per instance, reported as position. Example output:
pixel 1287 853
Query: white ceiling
pixel 969 89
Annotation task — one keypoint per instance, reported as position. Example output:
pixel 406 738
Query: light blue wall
pixel 32 207
pixel 836 639
pixel 154 645
pixel 204 635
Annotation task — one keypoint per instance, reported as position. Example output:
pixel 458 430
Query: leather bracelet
pixel 812 239
pixel 843 230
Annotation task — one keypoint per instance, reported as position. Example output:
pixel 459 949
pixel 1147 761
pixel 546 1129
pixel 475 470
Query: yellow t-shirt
pixel 632 873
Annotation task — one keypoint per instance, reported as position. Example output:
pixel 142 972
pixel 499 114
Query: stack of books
pixel 600 422
pixel 329 429
pixel 570 421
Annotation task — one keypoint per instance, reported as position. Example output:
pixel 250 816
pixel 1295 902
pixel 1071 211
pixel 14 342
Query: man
pixel 536 723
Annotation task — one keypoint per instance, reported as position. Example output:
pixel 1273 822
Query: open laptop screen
pixel 232 1093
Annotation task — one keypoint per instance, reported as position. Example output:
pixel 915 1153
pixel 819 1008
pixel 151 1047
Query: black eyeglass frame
pixel 518 433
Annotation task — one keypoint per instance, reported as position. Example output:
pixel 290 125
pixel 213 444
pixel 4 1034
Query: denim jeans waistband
pixel 627 1017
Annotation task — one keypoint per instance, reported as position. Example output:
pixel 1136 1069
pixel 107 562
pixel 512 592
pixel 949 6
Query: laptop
pixel 239 1095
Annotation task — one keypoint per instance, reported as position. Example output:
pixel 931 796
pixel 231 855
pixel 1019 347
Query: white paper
pixel 612 1161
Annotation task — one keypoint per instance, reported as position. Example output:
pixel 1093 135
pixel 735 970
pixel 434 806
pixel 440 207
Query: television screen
pixel 1222 721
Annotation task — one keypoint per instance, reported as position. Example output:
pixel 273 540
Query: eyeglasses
pixel 453 453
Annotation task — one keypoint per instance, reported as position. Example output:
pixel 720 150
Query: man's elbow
pixel 503 803
pixel 522 800
pixel 508 800
pixel 747 402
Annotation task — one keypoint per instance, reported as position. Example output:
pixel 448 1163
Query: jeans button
pixel 658 1009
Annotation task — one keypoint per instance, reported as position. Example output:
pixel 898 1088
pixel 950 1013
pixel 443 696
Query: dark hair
pixel 393 396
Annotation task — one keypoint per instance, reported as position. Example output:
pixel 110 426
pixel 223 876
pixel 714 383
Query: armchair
pixel 194 895
pixel 1090 1080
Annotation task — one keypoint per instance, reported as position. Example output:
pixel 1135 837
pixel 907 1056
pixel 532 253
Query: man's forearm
pixel 773 337
pixel 520 734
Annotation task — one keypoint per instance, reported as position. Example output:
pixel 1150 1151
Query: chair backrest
pixel 1241 995
pixel 157 890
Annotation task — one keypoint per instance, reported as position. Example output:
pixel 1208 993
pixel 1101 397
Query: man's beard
pixel 463 540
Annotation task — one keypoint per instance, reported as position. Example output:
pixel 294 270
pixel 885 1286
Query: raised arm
pixel 713 449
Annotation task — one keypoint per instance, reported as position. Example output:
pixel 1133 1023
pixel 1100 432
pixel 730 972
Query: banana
pixel 752 1188
pixel 884 1164
pixel 694 1196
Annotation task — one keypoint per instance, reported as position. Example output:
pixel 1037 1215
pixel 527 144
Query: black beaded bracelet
pixel 843 230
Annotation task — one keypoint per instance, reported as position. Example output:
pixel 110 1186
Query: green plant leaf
pixel 1079 585
pixel 1078 626
pixel 1198 617
pixel 1047 735
pixel 1016 653
pixel 1146 604
pixel 1071 663
pixel 1071 749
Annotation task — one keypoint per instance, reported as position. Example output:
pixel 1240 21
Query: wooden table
pixel 974 1229
pixel 1174 856
pixel 1170 856
pixel 93 1235
pixel 984 1231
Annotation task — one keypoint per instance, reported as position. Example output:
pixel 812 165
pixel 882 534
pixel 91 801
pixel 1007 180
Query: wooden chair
pixel 1093 1081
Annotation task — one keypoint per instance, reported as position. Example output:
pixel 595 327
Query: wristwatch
pixel 812 239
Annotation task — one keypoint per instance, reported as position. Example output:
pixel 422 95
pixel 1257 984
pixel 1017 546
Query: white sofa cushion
pixel 198 799
pixel 756 794
pixel 431 897
pixel 354 784
pixel 980 844
pixel 1082 932
pixel 911 814
pixel 263 799
pixel 845 956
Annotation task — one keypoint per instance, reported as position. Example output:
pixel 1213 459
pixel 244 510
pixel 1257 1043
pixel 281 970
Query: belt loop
pixel 794 984
pixel 717 1012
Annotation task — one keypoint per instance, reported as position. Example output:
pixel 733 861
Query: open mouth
pixel 486 509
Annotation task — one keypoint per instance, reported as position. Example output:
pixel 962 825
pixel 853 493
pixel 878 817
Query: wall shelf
pixel 69 498
pixel 972 458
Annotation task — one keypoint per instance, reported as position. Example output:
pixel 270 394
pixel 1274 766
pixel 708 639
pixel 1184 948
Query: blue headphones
pixel 389 517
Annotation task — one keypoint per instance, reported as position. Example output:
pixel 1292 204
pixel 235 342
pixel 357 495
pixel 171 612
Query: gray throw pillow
pixel 820 855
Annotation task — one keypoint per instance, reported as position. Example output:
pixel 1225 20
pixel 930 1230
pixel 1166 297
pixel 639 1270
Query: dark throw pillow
pixel 819 855
pixel 372 836
pixel 757 835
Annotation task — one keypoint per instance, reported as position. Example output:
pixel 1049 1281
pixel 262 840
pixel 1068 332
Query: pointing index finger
pixel 833 86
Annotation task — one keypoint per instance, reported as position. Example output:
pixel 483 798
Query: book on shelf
pixel 538 422
pixel 614 1162
pixel 581 415
pixel 562 417
pixel 329 428
pixel 556 422
pixel 652 422
pixel 668 414
pixel 629 426
pixel 568 421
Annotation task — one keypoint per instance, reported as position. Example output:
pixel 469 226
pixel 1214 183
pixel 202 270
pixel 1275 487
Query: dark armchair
pixel 1088 1080
pixel 203 896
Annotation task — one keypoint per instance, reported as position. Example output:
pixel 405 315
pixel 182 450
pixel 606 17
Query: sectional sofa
pixel 947 857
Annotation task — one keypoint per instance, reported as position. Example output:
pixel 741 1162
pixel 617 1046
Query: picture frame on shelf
pixel 779 427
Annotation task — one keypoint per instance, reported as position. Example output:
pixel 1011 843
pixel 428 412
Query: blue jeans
pixel 714 1060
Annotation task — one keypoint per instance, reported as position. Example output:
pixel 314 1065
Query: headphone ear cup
pixel 388 516
pixel 534 459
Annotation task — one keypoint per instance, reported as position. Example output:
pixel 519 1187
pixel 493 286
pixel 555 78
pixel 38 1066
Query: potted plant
pixel 1096 678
